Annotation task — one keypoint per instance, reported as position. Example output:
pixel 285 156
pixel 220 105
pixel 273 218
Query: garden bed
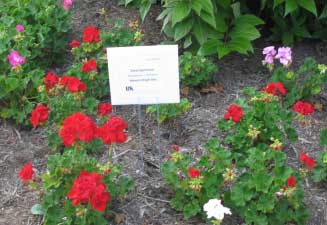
pixel 149 202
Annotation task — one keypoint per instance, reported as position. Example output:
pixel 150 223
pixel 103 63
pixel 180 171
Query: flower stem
pixel 111 149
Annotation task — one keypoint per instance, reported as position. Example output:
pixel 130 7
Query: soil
pixel 149 202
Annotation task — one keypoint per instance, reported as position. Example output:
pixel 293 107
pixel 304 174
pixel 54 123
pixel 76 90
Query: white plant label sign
pixel 143 75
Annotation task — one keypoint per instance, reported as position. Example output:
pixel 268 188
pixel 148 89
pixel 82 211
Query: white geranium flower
pixel 215 209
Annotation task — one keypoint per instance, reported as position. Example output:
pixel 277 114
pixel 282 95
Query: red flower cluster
pixel 26 173
pixel 77 127
pixel 91 34
pixel 274 88
pixel 89 66
pixel 50 80
pixel 291 182
pixel 73 84
pixel 113 130
pixel 304 108
pixel 39 115
pixel 194 173
pixel 74 44
pixel 89 187
pixel 104 109
pixel 235 112
pixel 176 148
pixel 305 159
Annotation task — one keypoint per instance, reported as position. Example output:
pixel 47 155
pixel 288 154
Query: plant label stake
pixel 143 75
pixel 141 145
pixel 158 134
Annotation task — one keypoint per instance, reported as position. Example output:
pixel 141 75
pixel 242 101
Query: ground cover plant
pixel 247 169
pixel 33 35
pixel 76 187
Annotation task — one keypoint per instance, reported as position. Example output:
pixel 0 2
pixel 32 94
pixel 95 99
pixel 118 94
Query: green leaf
pixel 144 9
pixel 192 209
pixel 323 137
pixel 277 3
pixel 207 6
pixel 199 31
pixel 37 209
pixel 236 9
pixel 181 11
pixel 183 28
pixel 222 49
pixel 209 19
pixel 318 174
pixel 208 48
pixel 197 6
pixel 323 13
pixel 309 5
pixel 188 42
pixel 290 6
pixel 266 203
pixel 248 19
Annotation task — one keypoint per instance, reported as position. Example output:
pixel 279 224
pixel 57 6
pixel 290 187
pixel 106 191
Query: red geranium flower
pixel 77 127
pixel 272 88
pixel 176 148
pixel 89 66
pixel 39 115
pixel 89 187
pixel 113 131
pixel 91 34
pixel 74 44
pixel 73 84
pixel 104 109
pixel 235 112
pixel 304 108
pixel 100 198
pixel 194 173
pixel 304 158
pixel 291 182
pixel 50 80
pixel 26 173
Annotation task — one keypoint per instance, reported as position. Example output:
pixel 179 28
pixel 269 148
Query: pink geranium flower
pixel 269 53
pixel 20 28
pixel 284 55
pixel 67 3
pixel 15 59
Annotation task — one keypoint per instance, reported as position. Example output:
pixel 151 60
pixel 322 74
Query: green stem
pixel 111 149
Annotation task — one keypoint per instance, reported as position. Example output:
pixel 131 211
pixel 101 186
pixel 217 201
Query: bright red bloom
pixel 304 158
pixel 77 127
pixel 50 80
pixel 113 131
pixel 39 115
pixel 89 66
pixel 194 173
pixel 26 173
pixel 104 109
pixel 235 112
pixel 304 108
pixel 291 182
pixel 274 88
pixel 74 44
pixel 91 34
pixel 73 84
pixel 176 148
pixel 89 187
pixel 100 198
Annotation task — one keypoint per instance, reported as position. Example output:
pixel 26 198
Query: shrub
pixel 195 70
pixel 36 31
pixel 169 111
